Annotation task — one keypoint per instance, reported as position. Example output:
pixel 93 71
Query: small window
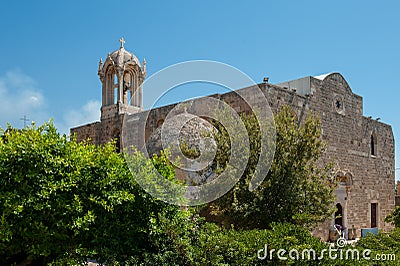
pixel 115 79
pixel 160 122
pixel 374 212
pixel 373 145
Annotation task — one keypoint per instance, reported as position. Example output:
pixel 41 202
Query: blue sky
pixel 50 50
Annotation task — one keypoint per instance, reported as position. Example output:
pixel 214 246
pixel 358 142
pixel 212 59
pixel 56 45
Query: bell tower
pixel 121 76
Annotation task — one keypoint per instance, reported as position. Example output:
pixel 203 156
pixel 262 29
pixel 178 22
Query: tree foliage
pixel 297 188
pixel 394 217
pixel 62 202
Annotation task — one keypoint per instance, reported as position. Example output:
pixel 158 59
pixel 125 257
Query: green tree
pixel 394 217
pixel 62 202
pixel 297 188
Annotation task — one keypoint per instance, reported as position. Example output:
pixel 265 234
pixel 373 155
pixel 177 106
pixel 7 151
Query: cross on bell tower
pixel 121 76
pixel 122 41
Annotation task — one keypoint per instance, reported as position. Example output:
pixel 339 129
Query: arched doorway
pixel 339 215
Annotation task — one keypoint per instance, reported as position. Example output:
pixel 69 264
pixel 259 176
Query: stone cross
pixel 25 119
pixel 122 41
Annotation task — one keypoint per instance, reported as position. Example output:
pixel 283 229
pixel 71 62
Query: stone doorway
pixel 339 215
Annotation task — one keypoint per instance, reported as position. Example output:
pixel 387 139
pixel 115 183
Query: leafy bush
pixel 394 217
pixel 386 244
pixel 218 246
pixel 62 202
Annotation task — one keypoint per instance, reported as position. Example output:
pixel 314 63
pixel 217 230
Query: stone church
pixel 361 147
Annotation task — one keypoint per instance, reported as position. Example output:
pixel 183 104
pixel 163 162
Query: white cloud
pixel 19 96
pixel 88 113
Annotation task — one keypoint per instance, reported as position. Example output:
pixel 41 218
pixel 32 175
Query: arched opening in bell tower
pixel 122 77
pixel 129 97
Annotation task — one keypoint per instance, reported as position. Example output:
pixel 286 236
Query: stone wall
pixel 348 134
pixel 100 132
pixel 347 131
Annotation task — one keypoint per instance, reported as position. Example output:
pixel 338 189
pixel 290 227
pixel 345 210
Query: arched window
pixel 129 97
pixel 115 89
pixel 115 95
pixel 373 144
pixel 343 178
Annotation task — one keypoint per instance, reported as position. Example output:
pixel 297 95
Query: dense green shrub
pixel 394 217
pixel 210 244
pixel 383 244
pixel 218 246
pixel 62 202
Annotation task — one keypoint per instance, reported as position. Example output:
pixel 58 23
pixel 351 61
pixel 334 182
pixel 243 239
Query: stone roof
pixel 121 56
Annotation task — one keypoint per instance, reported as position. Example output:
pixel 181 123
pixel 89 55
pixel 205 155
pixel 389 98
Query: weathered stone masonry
pixel 361 147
